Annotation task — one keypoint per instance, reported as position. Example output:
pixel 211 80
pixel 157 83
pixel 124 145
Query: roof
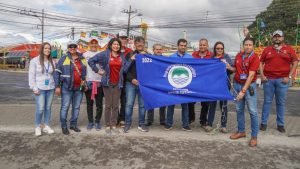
pixel 17 54
pixel 33 49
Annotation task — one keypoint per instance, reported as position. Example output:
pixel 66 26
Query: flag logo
pixel 180 76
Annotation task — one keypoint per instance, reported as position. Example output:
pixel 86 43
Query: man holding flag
pixel 181 53
pixel 180 79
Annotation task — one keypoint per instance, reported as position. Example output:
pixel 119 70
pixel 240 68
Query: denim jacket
pixel 103 59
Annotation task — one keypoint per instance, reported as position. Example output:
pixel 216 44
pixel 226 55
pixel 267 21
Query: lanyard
pixel 243 57
pixel 47 70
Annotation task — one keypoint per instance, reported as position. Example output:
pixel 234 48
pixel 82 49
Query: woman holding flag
pixel 246 66
pixel 219 53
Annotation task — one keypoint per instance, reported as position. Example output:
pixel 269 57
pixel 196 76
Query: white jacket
pixel 36 78
pixel 91 75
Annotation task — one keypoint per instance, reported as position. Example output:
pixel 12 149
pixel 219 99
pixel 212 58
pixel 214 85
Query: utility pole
pixel 73 33
pixel 43 16
pixel 129 12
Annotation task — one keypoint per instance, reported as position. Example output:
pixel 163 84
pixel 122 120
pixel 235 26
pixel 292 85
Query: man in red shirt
pixel 202 53
pixel 277 65
pixel 125 50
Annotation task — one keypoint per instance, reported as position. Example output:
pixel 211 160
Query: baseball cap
pixel 72 44
pixel 278 32
pixel 122 34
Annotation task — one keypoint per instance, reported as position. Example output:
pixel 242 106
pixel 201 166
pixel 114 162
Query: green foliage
pixel 280 14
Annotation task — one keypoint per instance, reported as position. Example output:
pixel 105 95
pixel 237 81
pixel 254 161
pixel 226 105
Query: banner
pixel 167 81
pixel 104 35
pixel 83 34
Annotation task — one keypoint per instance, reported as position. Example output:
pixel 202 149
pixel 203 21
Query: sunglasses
pixel 72 46
pixel 219 48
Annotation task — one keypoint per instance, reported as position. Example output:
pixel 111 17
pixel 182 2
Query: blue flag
pixel 167 81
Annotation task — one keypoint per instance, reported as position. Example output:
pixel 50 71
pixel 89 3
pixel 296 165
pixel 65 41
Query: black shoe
pixel 149 124
pixel 65 131
pixel 263 127
pixel 162 123
pixel 187 128
pixel 281 129
pixel 168 127
pixel 75 129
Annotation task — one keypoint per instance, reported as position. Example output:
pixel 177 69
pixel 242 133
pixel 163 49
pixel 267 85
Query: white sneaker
pixel 38 131
pixel 48 130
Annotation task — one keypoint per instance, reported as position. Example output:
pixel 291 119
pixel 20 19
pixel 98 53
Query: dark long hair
pixel 215 47
pixel 42 57
pixel 112 41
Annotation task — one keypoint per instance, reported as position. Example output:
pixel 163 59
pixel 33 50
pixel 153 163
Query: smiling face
pixel 72 48
pixel 47 50
pixel 248 46
pixel 139 45
pixel 219 50
pixel 93 46
pixel 203 46
pixel 277 39
pixel 115 46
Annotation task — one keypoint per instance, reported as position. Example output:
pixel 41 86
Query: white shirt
pixel 90 74
pixel 37 79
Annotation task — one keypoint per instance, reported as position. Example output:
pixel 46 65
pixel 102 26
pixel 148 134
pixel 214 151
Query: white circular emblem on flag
pixel 180 76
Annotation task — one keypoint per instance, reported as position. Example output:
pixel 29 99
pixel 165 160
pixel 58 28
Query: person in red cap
pixel 125 50
pixel 95 91
pixel 277 65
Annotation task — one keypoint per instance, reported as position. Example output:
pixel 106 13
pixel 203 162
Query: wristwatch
pixel 290 77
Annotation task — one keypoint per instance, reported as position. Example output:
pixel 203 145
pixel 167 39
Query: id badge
pixel 243 76
pixel 47 82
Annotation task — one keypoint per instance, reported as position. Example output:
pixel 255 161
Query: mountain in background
pixel 281 14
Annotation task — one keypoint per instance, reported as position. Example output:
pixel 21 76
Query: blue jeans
pixel 131 92
pixel 274 87
pixel 68 97
pixel 184 115
pixel 43 103
pixel 251 102
pixel 212 111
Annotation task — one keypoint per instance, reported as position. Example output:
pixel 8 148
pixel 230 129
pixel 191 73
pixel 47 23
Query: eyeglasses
pixel 219 48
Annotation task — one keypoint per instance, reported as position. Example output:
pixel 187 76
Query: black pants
pixel 162 115
pixel 123 104
pixel 90 103
pixel 203 114
pixel 191 112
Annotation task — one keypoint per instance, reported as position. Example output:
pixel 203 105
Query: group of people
pixel 112 75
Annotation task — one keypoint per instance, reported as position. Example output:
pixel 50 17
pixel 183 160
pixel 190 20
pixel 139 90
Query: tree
pixel 280 14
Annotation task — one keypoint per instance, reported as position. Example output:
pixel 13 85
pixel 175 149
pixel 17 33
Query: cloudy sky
pixel 212 19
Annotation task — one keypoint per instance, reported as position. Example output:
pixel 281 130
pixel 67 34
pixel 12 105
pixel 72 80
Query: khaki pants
pixel 112 100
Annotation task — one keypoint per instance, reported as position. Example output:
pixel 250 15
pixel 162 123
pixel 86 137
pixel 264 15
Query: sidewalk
pixel 156 149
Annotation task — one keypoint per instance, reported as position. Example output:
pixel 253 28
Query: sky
pixel 154 13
